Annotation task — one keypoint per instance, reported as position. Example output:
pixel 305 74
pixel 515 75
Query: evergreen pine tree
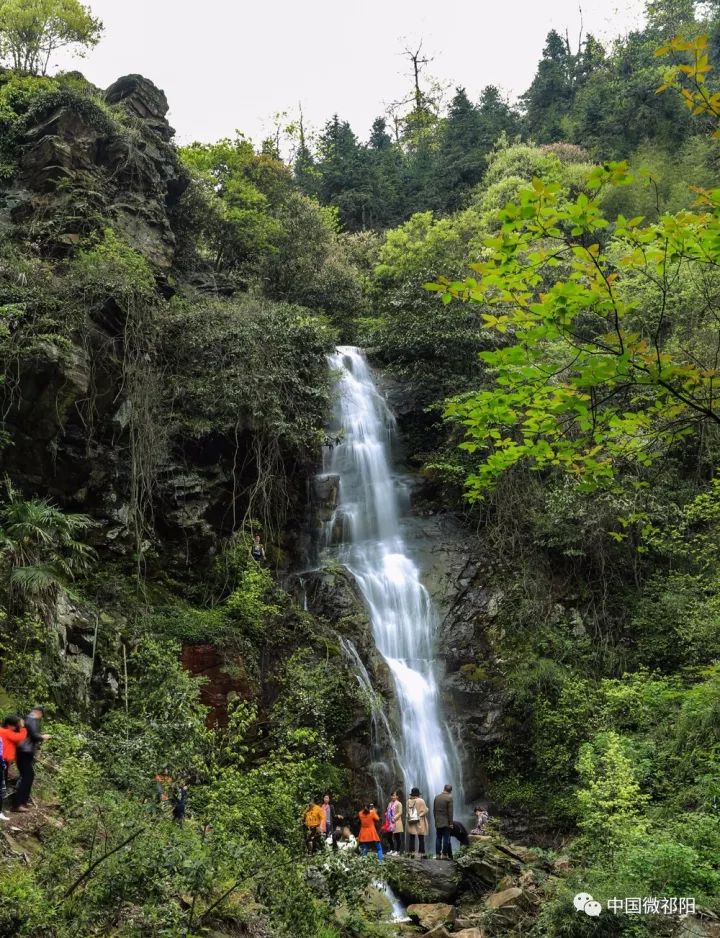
pixel 460 161
pixel 549 98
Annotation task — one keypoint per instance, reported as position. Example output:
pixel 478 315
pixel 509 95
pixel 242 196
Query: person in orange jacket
pixel 368 831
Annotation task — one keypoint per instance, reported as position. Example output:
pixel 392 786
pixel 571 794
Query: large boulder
pixel 509 906
pixel 77 165
pixel 430 915
pixel 484 865
pixel 423 881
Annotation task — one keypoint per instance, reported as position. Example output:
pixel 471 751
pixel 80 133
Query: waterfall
pixel 365 534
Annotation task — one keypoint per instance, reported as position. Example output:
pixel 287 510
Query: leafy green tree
pixel 343 171
pixel 32 30
pixel 311 265
pixel 460 159
pixel 387 178
pixel 498 118
pixel 241 190
pixel 610 801
pixel 667 18
pixel 616 109
pixel 596 374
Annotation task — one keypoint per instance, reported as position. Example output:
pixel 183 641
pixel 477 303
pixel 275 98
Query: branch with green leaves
pixel 594 371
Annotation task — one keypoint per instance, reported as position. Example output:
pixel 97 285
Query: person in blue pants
pixel 369 818
pixel 443 816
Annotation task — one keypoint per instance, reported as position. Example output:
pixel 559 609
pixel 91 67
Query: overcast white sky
pixel 232 64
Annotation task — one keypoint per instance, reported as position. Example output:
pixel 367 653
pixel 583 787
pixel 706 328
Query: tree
pixel 497 118
pixel 32 30
pixel 343 171
pixel 549 98
pixel 460 160
pixel 242 190
pixel 387 181
pixel 602 370
pixel 616 107
pixel 667 18
pixel 609 798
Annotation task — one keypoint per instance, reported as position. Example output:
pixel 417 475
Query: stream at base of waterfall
pixel 365 535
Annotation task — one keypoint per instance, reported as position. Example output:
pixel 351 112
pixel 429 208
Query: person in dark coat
pixel 460 833
pixel 443 817
pixel 179 799
pixel 25 758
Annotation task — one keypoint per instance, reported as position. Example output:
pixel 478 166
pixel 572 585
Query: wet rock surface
pixel 423 881
pixel 458 576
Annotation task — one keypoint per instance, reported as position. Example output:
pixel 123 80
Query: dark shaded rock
pixel 77 168
pixel 423 881
pixel 83 658
pixel 331 594
pixel 325 493
pixel 457 576
pixel 143 99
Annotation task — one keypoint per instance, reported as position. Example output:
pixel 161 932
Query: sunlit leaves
pixel 589 374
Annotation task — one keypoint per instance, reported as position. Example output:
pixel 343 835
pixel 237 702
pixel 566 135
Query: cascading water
pixel 365 534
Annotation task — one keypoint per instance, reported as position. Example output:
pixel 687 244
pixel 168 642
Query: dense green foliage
pixel 567 409
pixel 587 427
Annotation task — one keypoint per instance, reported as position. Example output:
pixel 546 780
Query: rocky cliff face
pixel 457 575
pixel 81 169
pixel 75 167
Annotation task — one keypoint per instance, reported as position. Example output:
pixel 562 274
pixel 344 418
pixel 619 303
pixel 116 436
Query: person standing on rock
pixel 26 752
pixel 443 815
pixel 368 831
pixel 394 823
pixel 417 823
pixel 313 818
pixel 328 825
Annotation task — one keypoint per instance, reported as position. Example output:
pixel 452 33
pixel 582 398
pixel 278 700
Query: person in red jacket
pixel 368 831
pixel 12 732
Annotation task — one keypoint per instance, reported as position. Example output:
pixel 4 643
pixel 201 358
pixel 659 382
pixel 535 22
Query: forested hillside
pixel 537 284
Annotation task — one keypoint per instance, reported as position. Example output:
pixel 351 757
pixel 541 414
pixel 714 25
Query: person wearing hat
pixel 417 822
pixel 25 758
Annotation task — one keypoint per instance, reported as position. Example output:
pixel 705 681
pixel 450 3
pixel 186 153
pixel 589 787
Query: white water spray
pixel 365 534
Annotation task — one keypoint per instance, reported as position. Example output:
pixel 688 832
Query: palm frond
pixel 35 581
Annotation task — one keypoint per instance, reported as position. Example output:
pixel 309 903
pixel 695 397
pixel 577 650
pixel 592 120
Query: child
pixel 481 818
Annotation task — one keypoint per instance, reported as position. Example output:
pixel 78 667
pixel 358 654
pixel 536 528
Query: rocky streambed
pixel 490 889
